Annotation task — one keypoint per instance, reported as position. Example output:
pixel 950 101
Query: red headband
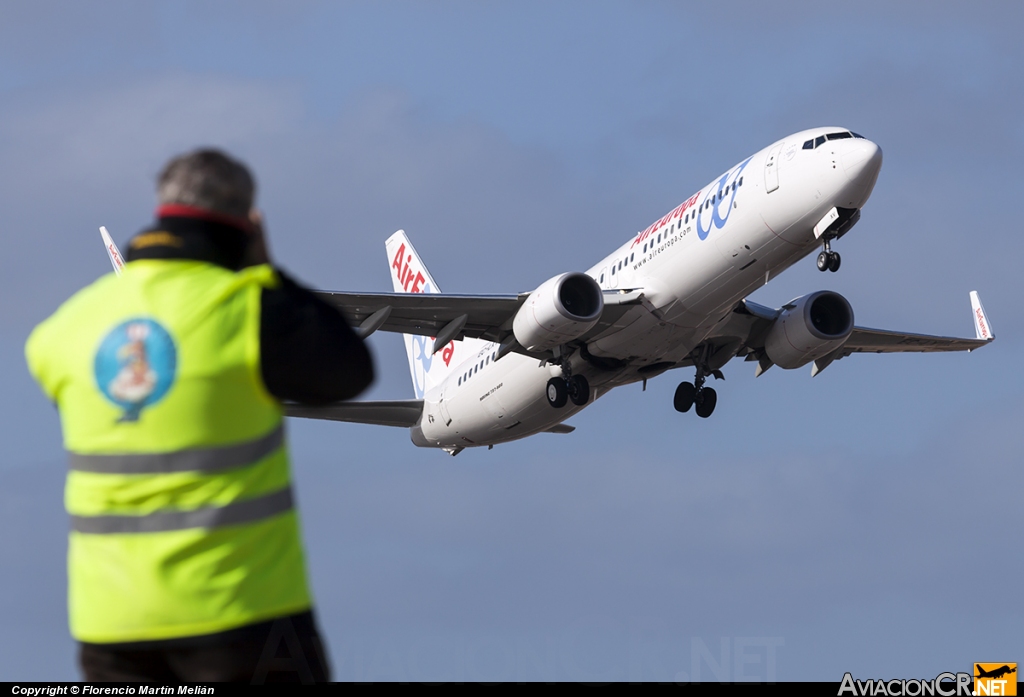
pixel 177 210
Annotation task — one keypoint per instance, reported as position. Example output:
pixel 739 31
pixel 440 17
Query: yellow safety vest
pixel 182 519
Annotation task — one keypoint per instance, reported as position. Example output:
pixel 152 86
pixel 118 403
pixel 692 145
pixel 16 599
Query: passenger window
pixel 613 271
pixel 741 181
pixel 631 257
pixel 602 278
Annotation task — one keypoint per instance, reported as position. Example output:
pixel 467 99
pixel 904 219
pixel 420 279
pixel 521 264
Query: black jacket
pixel 308 353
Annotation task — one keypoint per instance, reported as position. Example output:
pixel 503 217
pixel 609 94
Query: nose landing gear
pixel 828 260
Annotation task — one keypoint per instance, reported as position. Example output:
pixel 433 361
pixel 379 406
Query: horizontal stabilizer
pixel 404 413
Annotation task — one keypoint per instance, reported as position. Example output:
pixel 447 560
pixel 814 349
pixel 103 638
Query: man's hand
pixel 256 253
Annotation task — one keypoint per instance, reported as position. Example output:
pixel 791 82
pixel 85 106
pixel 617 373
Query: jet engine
pixel 808 328
pixel 561 309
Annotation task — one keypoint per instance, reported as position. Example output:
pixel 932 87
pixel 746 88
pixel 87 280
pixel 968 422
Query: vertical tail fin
pixel 409 275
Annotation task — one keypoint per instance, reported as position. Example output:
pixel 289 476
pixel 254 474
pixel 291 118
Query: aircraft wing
pixel 864 340
pixel 751 322
pixel 426 313
pixel 487 317
pixel 399 412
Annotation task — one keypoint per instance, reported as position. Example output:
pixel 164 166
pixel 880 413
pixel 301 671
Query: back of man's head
pixel 207 179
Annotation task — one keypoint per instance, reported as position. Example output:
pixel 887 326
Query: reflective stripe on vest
pixel 193 460
pixel 164 521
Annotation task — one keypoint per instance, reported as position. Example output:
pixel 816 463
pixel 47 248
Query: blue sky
pixel 859 521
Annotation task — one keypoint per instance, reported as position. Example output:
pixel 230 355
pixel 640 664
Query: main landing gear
pixel 568 387
pixel 575 389
pixel 828 260
pixel 694 393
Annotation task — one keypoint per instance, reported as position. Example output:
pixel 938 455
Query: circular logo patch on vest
pixel 135 365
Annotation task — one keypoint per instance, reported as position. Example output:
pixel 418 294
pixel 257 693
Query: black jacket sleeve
pixel 308 353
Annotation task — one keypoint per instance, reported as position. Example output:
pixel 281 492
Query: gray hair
pixel 207 179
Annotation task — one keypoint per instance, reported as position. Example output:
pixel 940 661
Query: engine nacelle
pixel 813 326
pixel 560 310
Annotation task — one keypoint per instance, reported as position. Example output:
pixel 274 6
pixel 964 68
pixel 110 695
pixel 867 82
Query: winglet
pixel 112 251
pixel 982 327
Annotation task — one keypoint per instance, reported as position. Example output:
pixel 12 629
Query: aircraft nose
pixel 862 160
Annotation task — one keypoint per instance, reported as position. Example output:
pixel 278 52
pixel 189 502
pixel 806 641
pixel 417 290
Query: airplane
pixel 996 673
pixel 489 369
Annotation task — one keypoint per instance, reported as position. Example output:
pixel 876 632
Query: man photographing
pixel 184 558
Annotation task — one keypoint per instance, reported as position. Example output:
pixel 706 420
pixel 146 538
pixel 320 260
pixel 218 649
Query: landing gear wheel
pixel 833 262
pixel 579 390
pixel 685 395
pixel 706 401
pixel 557 393
pixel 824 260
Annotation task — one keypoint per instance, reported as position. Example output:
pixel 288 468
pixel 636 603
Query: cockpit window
pixel 812 144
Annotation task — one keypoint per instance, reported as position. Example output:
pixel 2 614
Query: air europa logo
pixel 717 204
pixel 670 217
pixel 711 209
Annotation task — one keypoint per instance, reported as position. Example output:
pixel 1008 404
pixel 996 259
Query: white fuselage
pixel 693 265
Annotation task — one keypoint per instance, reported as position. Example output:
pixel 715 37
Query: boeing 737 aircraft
pixel 494 368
